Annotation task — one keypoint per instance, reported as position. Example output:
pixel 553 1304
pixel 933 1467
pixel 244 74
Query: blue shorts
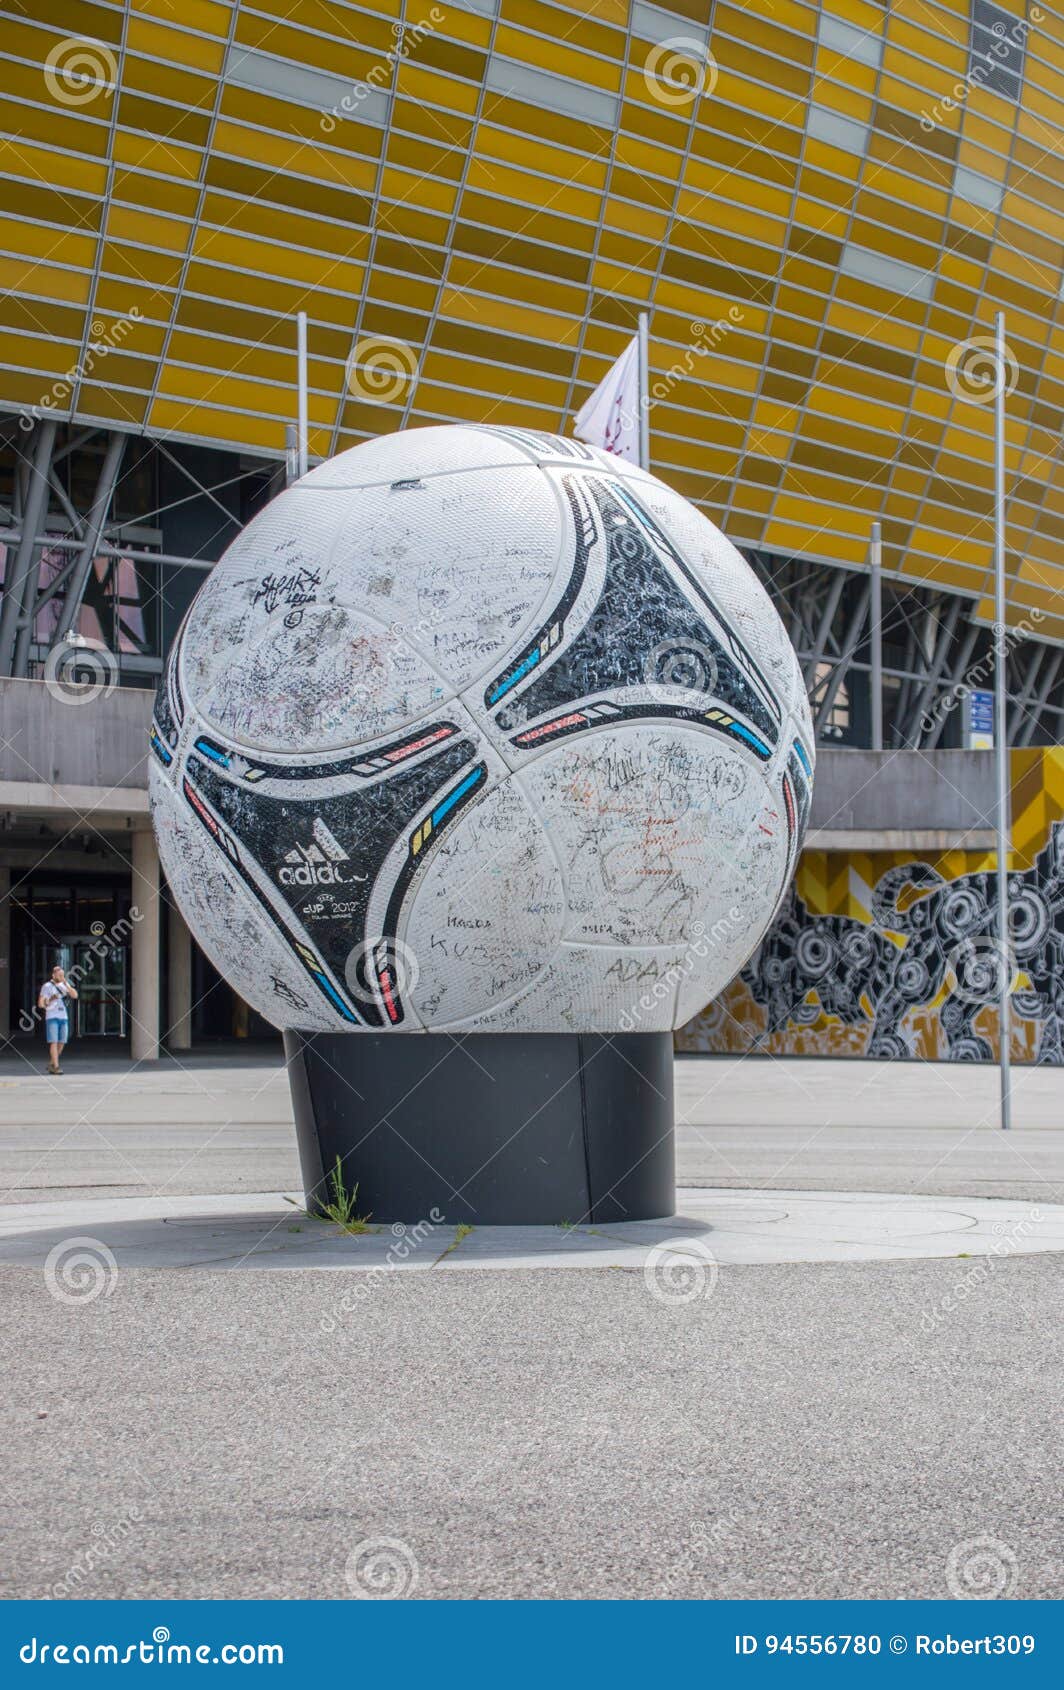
pixel 56 1029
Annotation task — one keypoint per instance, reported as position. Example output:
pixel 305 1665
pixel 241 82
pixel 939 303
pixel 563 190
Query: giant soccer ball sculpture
pixel 480 731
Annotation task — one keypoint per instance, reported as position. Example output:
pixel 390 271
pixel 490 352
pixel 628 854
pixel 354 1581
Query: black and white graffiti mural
pixel 930 955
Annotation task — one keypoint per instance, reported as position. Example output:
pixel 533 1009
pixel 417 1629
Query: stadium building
pixel 820 207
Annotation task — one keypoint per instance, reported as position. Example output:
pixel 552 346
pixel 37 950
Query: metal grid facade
pixel 820 206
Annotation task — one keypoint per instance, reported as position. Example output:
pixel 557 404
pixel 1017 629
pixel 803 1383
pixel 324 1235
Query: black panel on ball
pixel 490 1129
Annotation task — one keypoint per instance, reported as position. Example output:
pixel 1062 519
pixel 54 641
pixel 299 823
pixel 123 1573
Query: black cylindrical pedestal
pixel 489 1129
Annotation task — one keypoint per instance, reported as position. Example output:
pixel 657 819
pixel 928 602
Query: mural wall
pixel 894 954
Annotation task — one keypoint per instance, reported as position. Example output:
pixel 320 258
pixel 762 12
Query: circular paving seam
pixel 269 1232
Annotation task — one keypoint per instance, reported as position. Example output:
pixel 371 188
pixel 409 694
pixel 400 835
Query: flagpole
pixel 644 390
pixel 1001 749
pixel 301 390
pixel 876 623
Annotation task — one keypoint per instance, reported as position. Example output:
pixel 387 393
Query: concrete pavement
pixel 875 1428
pixel 804 1431
pixel 210 1124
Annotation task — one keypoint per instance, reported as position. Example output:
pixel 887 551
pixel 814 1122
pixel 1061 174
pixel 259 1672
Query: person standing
pixel 53 1000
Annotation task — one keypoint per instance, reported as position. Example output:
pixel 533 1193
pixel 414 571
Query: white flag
pixel 611 416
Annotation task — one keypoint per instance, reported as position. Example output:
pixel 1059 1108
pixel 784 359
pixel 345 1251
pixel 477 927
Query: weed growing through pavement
pixel 341 1209
pixel 461 1233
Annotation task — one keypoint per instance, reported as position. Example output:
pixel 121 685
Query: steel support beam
pixel 20 588
pixel 939 655
pixel 850 644
pixel 137 554
pixel 831 605
pixel 1020 700
pixel 960 669
pixel 94 522
pixel 1029 728
pixel 77 522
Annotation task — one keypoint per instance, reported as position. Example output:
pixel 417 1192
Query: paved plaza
pixel 224 1124
pixel 720 1427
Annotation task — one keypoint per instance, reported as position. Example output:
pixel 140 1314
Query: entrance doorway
pixel 98 971
pixel 83 923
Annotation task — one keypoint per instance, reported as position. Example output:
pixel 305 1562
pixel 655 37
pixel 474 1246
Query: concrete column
pixel 145 958
pixel 179 939
pixel 5 951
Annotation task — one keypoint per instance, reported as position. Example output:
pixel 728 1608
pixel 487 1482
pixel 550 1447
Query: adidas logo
pixel 317 864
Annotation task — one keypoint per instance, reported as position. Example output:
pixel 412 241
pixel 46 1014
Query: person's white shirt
pixel 55 994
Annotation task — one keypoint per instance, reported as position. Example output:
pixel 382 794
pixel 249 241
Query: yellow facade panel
pixel 352 58
pixel 971 548
pixel 203 422
pixel 163 42
pixel 271 366
pixel 851 98
pixel 272 294
pixel 159 195
pixel 605 35
pixel 866 15
pixel 161 156
pixel 996 111
pixel 619 278
pixel 53 246
pixel 912 41
pixel 822 219
pixel 53 169
pixel 179 382
pixel 495 144
pixel 105 403
pixel 447 21
pixel 182 90
pixel 558 54
pixel 730 219
pixel 532 192
pixel 1032 214
pixel 779 106
pixel 227 247
pixel 435 401
pixel 508 317
pixel 407 292
pixel 423 191
pixel 803 524
pixel 38 352
pixel 641 157
pixel 835 162
pixel 144 229
pixel 297 158
pixel 637 220
pixel 923 196
pixel 434 88
pixel 209 17
pixel 31 279
pixel 48 125
pixel 504 384
pixel 152 269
